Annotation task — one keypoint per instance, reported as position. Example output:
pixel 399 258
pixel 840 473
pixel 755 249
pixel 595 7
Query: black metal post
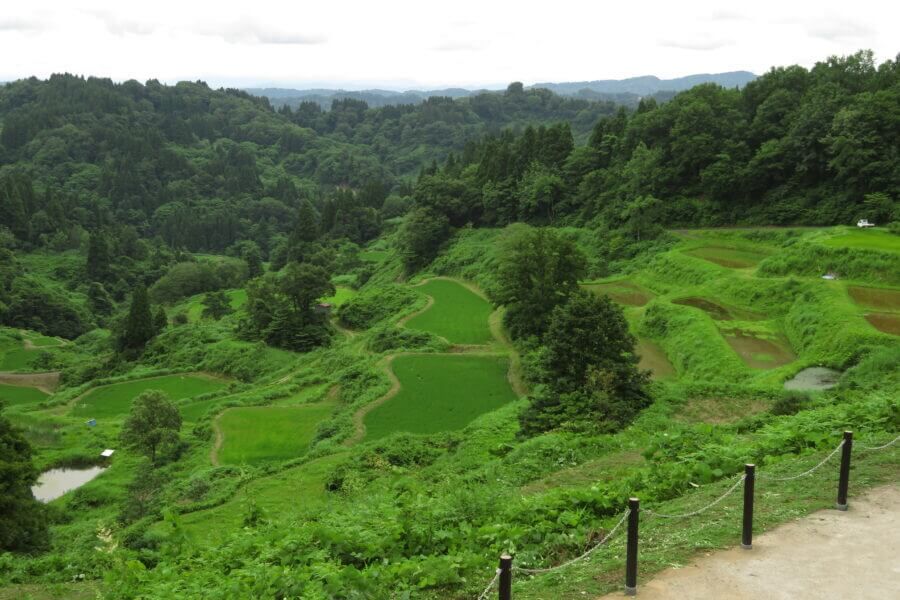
pixel 631 552
pixel 749 481
pixel 505 577
pixel 844 481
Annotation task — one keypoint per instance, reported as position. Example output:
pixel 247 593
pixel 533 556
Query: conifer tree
pixel 160 320
pixel 138 328
pixel 98 260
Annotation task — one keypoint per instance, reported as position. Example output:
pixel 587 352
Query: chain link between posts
pixel 868 449
pixel 651 512
pixel 700 510
pixel 765 477
pixel 490 585
pixel 583 556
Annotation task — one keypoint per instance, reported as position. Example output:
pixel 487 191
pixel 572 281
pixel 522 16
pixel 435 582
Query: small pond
pixel 54 483
pixel 813 378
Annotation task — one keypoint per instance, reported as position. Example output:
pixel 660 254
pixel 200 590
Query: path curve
pixel 495 324
pixel 220 439
pixel 850 554
pixel 359 425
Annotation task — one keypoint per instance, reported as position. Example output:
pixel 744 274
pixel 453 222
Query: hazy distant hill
pixel 621 91
pixel 649 84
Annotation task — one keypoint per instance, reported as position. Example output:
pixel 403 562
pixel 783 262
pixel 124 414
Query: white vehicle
pixel 864 223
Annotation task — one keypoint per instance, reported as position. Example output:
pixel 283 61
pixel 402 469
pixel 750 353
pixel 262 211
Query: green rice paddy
pixel 441 393
pixel 113 401
pixel 733 258
pixel 17 359
pixel 256 434
pixel 341 294
pixel 13 394
pixel 870 239
pixel 458 314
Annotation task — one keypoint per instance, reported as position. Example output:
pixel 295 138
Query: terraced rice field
pixel 16 358
pixel 458 314
pixel 866 238
pixel 256 434
pixel 733 258
pixel 759 352
pixel 13 395
pixel 622 291
pixel 654 359
pixel 441 393
pixel 717 311
pixel 886 322
pixel 876 298
pixel 114 401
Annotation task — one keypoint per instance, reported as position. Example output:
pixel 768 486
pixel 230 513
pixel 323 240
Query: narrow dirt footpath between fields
pixel 828 554
pixel 220 439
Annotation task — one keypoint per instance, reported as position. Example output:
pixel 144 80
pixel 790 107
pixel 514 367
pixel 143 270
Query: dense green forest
pixel 359 352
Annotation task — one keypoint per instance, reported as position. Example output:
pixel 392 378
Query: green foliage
pixel 98 258
pixel 538 269
pixel 138 328
pixel 374 305
pixel 216 305
pixel 790 403
pixel 588 368
pixel 23 521
pixel 152 426
pixel 423 232
pixel 281 307
pixel 33 303
pixel 388 338
pixel 189 278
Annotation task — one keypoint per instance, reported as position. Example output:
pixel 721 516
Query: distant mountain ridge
pixel 649 84
pixel 622 91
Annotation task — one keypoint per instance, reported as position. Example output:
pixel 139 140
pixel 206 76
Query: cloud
pixel 119 26
pixel 460 46
pixel 838 29
pixel 19 24
pixel 699 43
pixel 249 31
pixel 728 15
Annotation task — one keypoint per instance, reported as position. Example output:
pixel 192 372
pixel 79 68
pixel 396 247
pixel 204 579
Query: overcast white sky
pixel 402 44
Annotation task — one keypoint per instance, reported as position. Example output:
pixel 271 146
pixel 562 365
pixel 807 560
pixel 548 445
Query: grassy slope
pixel 441 393
pixel 458 314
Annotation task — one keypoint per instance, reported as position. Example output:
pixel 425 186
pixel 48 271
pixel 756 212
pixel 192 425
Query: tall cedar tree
pixel 590 380
pixel 305 232
pixel 539 269
pixel 152 426
pixel 23 522
pixel 98 258
pixel 160 320
pixel 139 328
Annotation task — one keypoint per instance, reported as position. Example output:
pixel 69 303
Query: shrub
pixel 790 403
pixel 373 306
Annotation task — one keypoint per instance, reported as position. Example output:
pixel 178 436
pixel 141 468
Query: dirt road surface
pixel 828 554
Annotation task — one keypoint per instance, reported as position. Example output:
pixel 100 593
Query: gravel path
pixel 828 554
